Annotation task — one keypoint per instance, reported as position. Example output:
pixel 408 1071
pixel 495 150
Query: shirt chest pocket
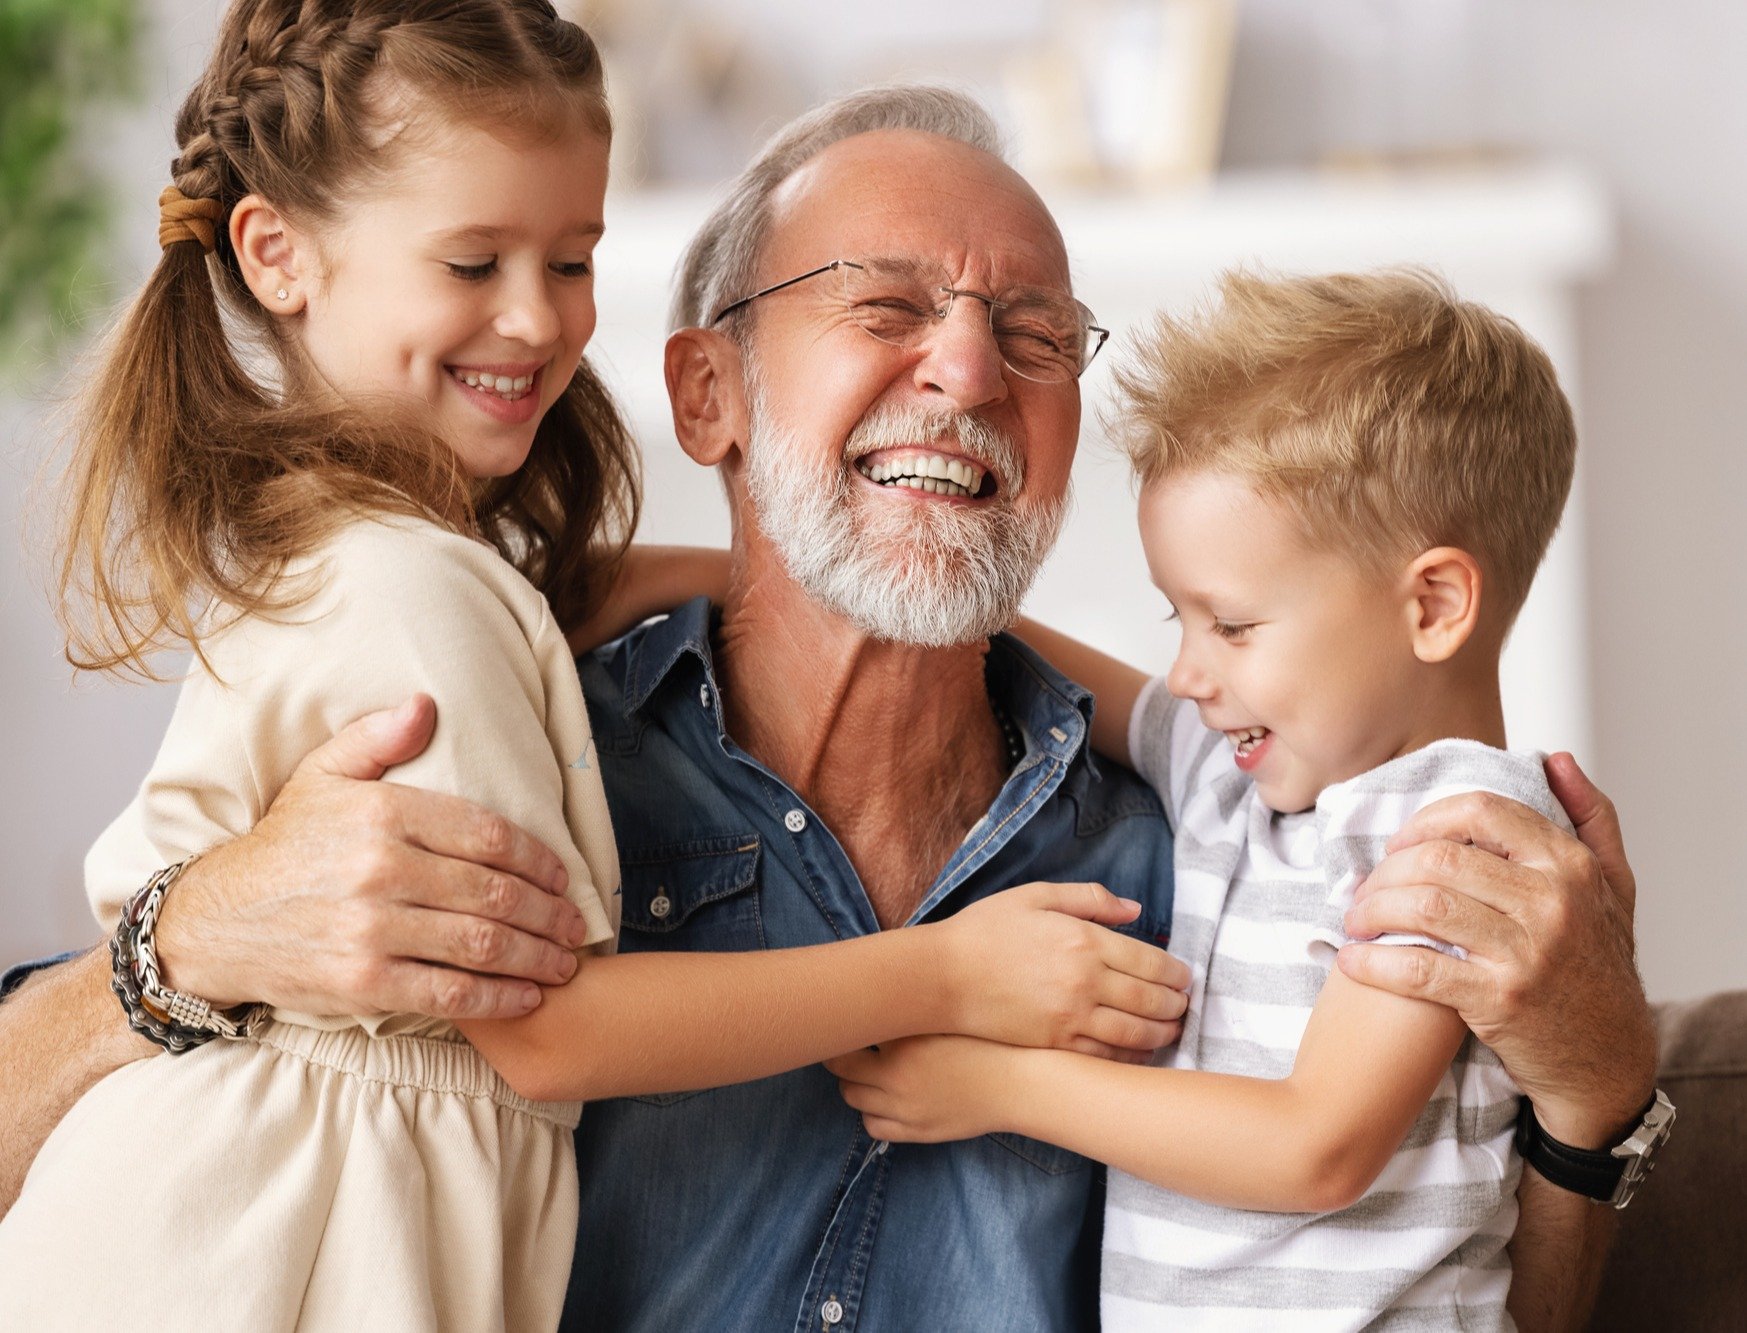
pixel 699 896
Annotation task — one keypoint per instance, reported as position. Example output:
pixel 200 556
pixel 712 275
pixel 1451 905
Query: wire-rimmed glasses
pixel 1043 334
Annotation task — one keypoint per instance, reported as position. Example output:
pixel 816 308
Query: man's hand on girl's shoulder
pixel 354 895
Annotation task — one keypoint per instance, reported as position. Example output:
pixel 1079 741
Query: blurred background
pixel 1566 161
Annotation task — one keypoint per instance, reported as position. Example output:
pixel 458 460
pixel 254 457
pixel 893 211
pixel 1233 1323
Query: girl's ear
pixel 706 384
pixel 277 260
pixel 1444 586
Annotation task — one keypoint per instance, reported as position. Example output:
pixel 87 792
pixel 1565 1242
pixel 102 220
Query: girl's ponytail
pixel 141 521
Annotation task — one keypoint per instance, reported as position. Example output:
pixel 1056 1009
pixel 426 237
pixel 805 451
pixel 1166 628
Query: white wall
pixel 1649 99
pixel 1646 97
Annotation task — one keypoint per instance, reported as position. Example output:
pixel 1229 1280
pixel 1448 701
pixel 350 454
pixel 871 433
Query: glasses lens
pixel 894 301
pixel 1042 334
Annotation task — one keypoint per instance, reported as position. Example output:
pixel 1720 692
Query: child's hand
pixel 927 1089
pixel 1036 966
pixel 651 580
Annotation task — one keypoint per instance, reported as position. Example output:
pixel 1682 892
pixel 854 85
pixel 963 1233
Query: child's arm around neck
pixel 1115 685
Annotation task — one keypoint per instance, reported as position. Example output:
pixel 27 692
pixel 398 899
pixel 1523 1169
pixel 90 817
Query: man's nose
pixel 961 358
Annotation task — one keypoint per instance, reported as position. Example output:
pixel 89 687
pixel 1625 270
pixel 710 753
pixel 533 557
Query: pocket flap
pixel 664 885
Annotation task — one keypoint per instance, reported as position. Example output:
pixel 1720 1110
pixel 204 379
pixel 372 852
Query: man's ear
pixel 1443 608
pixel 706 385
pixel 277 260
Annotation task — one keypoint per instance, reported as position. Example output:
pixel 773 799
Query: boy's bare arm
pixel 60 1032
pixel 1115 685
pixel 1311 1142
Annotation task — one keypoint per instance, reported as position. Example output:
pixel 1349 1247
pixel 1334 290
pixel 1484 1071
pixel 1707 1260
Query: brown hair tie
pixel 183 219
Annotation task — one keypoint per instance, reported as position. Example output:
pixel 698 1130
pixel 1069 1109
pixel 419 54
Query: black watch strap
pixel 1607 1176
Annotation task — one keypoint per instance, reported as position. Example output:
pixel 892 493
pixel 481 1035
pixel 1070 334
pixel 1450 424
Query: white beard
pixel 931 575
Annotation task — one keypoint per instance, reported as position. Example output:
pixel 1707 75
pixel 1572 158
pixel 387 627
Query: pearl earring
pixel 282 294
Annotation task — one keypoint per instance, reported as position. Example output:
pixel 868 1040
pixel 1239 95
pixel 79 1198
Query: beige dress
pixel 339 1172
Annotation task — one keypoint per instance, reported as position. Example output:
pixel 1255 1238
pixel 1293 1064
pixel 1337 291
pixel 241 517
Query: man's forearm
pixel 60 1033
pixel 1556 1256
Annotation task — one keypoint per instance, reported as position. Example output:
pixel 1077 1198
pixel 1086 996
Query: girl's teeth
pixel 505 385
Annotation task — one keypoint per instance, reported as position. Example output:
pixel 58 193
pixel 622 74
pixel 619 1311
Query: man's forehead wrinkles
pixel 973 223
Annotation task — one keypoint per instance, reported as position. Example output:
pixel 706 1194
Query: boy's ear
pixel 706 385
pixel 1444 586
pixel 277 260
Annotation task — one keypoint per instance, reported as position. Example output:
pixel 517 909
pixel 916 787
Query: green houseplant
pixel 57 58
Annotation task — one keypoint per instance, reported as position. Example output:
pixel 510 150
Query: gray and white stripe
pixel 1259 903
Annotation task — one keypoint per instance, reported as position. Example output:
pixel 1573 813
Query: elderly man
pixel 850 747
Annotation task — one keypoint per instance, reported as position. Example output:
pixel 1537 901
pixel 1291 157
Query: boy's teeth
pixel 1247 738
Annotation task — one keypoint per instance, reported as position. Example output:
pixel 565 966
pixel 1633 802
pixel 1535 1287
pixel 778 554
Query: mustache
pixel 895 425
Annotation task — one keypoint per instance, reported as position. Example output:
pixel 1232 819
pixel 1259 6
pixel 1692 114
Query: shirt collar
pixel 660 647
pixel 1054 712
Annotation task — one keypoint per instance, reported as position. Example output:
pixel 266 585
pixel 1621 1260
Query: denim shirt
pixel 766 1206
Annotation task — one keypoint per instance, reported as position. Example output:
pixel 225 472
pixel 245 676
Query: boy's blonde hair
pixel 1391 416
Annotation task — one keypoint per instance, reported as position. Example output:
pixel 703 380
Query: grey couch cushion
pixel 1679 1261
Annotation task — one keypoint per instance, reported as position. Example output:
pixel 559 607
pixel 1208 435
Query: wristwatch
pixel 1610 1175
pixel 173 1019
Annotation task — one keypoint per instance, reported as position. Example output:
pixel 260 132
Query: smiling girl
pixel 416 484
pixel 397 205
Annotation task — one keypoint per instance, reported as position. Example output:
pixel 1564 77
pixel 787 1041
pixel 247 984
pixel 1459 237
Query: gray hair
pixel 721 263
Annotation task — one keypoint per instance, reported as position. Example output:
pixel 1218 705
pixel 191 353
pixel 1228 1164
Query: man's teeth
pixel 933 473
pixel 1247 739
pixel 504 386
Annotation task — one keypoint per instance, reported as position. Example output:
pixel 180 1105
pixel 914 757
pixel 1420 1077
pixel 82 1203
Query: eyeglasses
pixel 1042 335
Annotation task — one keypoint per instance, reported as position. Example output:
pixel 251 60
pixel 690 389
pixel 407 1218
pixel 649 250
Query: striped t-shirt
pixel 1257 917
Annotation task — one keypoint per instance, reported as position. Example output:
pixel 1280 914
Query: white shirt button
pixel 661 906
pixel 704 695
pixel 794 821
pixel 832 1311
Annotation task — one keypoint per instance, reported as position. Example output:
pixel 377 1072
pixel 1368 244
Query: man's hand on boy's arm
pixel 1115 685
pixel 1550 982
pixel 652 580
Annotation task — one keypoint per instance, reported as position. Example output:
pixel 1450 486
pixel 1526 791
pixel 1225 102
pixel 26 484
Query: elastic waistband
pixel 424 1063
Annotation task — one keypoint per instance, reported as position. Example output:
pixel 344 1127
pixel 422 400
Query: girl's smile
pixel 435 289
